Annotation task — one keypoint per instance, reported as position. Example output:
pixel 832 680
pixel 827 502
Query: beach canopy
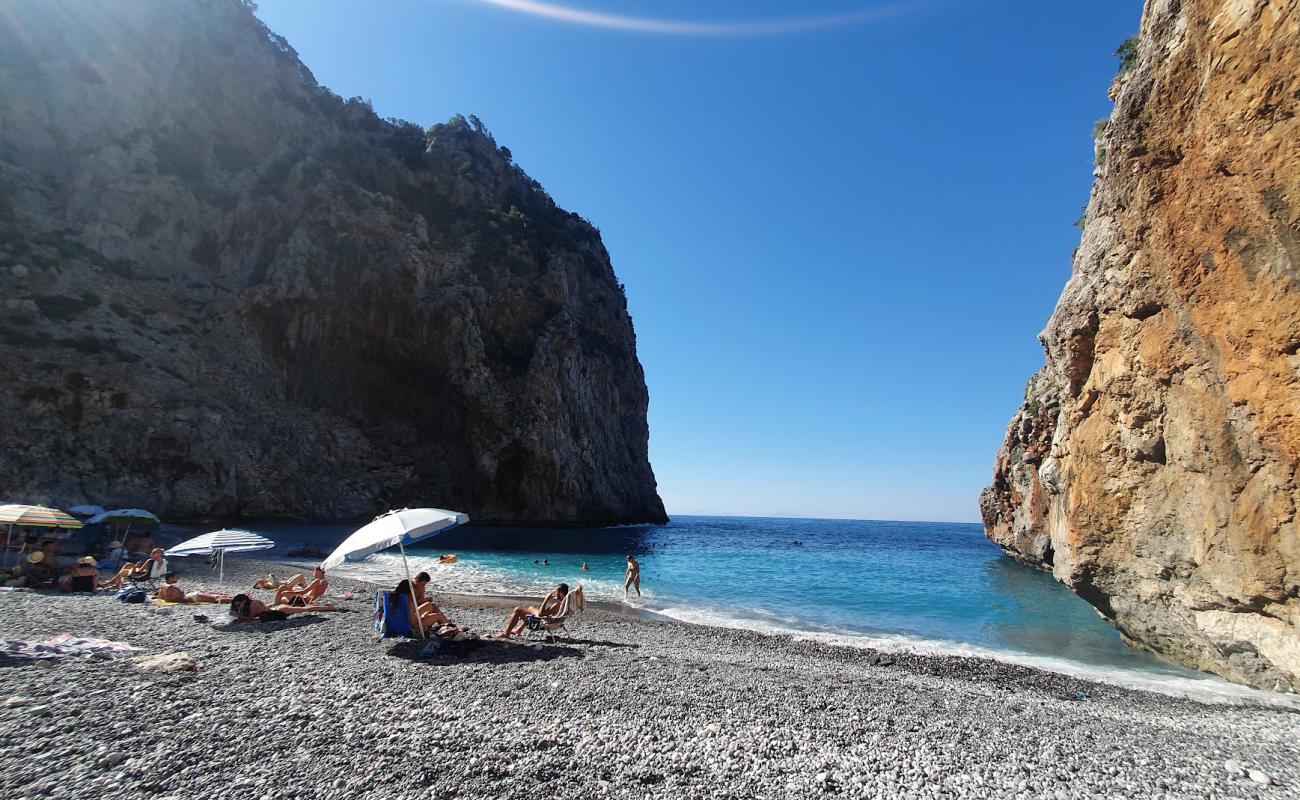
pixel 37 516
pixel 131 516
pixel 234 541
pixel 86 511
pixel 398 528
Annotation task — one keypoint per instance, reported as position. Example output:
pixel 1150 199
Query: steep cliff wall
pixel 227 292
pixel 1152 467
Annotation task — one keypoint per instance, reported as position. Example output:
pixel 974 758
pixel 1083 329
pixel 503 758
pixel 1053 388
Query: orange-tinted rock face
pixel 1170 403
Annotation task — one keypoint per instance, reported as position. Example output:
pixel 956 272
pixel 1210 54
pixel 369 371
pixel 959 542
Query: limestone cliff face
pixel 1152 467
pixel 227 292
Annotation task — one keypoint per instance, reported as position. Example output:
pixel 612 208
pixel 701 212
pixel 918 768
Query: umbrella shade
pixel 394 528
pixel 235 541
pixel 86 511
pixel 37 516
pixel 133 516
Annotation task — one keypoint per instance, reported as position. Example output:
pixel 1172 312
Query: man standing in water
pixel 633 577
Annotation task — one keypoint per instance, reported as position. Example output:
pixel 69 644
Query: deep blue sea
pixel 920 586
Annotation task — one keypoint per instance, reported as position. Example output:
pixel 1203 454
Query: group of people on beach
pixel 48 567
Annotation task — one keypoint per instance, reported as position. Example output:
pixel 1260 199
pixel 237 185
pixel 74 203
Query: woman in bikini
pixel 245 609
pixel 633 578
pixel 297 591
pixel 171 592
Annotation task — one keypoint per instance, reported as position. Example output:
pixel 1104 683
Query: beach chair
pixel 393 619
pixel 546 627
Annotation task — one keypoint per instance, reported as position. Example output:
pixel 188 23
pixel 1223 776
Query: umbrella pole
pixel 418 622
pixel 8 539
pixel 221 575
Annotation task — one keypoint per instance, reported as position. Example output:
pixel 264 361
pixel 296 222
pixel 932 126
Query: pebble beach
pixel 624 705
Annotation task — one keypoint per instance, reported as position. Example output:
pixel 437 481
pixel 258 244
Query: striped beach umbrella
pixel 34 516
pixel 235 541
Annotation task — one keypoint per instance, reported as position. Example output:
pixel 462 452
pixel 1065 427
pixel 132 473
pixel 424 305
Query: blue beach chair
pixel 392 619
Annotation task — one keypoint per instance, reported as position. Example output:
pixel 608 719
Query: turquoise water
pixel 928 587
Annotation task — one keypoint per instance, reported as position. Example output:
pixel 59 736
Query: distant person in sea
pixel 171 592
pixel 449 558
pixel 633 577
pixel 152 568
pixel 585 568
pixel 546 562
pixel 549 607
pixel 81 578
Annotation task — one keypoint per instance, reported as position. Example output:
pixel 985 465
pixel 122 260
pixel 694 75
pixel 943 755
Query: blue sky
pixel 839 243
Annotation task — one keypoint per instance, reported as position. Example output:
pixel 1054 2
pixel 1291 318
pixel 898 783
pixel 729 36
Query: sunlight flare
pixel 673 27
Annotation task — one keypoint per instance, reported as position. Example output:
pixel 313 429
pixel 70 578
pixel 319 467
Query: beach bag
pixel 132 595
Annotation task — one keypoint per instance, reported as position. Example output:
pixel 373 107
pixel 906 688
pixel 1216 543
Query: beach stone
pixel 17 700
pixel 1233 767
pixel 44 663
pixel 168 662
pixel 1259 776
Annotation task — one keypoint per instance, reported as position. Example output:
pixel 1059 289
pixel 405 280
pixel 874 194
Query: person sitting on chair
pixel 171 592
pixel 548 608
pixel 430 616
pixel 151 569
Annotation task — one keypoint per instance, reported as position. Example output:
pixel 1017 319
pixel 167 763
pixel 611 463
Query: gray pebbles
pixel 629 707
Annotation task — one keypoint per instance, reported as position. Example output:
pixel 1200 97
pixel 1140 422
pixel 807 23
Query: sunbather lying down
pixel 549 607
pixel 245 609
pixel 171 592
pixel 296 591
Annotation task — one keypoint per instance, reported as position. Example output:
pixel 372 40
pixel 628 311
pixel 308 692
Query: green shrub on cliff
pixel 1127 53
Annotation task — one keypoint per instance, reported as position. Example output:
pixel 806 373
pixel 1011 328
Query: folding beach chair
pixel 393 618
pixel 546 627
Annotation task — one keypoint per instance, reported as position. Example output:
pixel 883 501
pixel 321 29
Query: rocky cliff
pixel 1152 466
pixel 227 292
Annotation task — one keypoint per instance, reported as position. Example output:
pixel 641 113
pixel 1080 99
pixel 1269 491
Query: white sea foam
pixel 1207 689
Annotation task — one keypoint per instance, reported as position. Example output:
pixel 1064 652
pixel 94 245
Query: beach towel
pixel 65 645
pixel 392 619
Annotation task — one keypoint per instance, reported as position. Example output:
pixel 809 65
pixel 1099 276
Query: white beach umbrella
pixel 236 541
pixel 395 528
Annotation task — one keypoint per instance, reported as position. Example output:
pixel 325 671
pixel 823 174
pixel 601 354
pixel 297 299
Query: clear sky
pixel 839 237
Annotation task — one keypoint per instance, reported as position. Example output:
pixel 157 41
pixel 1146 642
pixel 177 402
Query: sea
pixel 925 587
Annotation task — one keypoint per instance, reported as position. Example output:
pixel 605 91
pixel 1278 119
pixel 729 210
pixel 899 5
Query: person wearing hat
pixel 82 577
pixel 37 571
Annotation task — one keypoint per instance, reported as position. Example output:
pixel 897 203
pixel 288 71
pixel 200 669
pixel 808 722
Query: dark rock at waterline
pixel 227 292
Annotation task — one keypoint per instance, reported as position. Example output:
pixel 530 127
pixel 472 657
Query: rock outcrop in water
pixel 1152 466
pixel 227 292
